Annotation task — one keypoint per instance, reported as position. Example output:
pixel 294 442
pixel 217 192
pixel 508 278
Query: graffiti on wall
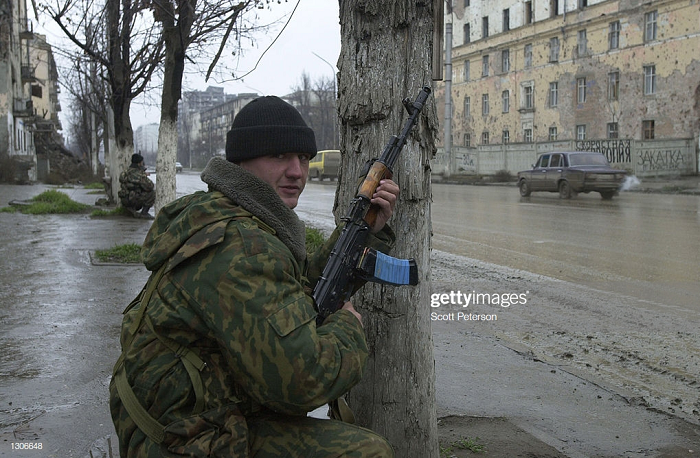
pixel 617 151
pixel 661 160
pixel 466 162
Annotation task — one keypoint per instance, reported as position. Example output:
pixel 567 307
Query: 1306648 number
pixel 27 446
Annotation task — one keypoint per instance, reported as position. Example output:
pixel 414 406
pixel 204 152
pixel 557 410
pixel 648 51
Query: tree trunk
pixel 120 86
pixel 177 36
pixel 386 56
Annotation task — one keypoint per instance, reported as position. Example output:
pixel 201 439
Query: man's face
pixel 286 173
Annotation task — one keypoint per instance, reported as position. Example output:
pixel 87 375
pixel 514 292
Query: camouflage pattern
pixel 136 189
pixel 235 295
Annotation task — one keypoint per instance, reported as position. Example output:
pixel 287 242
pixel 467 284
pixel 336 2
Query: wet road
pixel 643 245
pixel 59 325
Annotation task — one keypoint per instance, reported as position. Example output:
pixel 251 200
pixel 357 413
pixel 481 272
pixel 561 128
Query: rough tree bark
pixel 386 56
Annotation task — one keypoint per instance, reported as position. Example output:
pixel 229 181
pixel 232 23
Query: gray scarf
pixel 260 199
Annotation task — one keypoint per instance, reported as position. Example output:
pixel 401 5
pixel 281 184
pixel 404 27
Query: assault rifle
pixel 350 259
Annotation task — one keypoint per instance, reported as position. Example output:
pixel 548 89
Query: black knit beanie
pixel 268 125
pixel 136 158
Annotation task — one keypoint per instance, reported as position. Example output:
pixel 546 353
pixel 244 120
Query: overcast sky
pixel 313 28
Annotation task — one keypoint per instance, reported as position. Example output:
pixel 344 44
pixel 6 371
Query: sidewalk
pixel 61 313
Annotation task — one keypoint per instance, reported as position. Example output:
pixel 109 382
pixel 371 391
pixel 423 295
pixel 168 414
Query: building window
pixel 582 43
pixel 527 135
pixel 552 134
pixel 485 65
pixel 505 96
pixel 648 130
pixel 466 70
pixel 466 3
pixel 649 79
pixel 484 138
pixel 506 19
pixel 553 94
pixel 582 4
pixel 612 130
pixel 528 56
pixel 613 86
pixel 528 12
pixel 467 106
pixel 468 140
pixel 614 35
pixel 554 49
pixel 484 104
pixel 528 97
pixel 553 8
pixel 485 26
pixel 650 25
pixel 506 137
pixel 505 60
pixel 581 90
pixel 581 132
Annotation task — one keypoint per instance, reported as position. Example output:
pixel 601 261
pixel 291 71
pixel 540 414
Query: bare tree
pixel 129 53
pixel 186 22
pixel 386 54
pixel 316 102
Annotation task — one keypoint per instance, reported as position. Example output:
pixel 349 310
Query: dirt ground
pixel 491 437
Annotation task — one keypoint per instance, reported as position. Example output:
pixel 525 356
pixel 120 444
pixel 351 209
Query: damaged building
pixel 617 76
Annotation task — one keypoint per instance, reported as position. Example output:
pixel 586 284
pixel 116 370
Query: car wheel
pixel 564 190
pixel 607 195
pixel 524 188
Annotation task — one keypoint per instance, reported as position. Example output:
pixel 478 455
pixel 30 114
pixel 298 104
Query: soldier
pixel 221 352
pixel 136 189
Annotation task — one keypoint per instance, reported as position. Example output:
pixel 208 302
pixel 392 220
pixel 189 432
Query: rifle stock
pixel 348 260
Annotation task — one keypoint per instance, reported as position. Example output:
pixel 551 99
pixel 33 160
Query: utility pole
pixel 335 97
pixel 448 98
pixel 93 107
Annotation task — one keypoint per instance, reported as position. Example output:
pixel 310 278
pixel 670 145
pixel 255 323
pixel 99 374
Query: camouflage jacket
pixel 134 184
pixel 235 292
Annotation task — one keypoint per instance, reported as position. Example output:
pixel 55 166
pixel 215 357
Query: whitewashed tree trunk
pixel 165 162
pixel 119 156
pixel 386 56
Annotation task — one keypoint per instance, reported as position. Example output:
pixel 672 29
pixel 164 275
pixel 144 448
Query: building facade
pixel 146 142
pixel 216 121
pixel 190 107
pixel 16 75
pixel 584 72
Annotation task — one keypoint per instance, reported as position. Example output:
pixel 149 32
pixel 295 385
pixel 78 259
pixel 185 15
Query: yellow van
pixel 325 164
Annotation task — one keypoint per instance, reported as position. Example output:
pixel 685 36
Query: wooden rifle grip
pixel 376 173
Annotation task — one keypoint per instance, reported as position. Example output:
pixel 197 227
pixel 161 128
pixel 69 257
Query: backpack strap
pixel 192 362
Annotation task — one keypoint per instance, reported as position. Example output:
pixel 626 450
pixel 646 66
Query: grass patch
pixel 314 239
pixel 95 185
pixel 52 202
pixel 127 253
pixel 8 210
pixel 471 445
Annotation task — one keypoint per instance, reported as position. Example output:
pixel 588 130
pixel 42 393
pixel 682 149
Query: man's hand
pixel 385 198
